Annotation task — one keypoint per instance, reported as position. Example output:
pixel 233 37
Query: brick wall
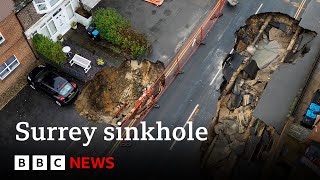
pixel 15 44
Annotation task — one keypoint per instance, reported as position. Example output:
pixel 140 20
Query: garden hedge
pixel 48 48
pixel 118 31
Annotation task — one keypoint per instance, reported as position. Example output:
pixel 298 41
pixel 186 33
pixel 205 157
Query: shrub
pixel 108 21
pixel 118 31
pixel 59 37
pixel 73 24
pixel 48 48
pixel 100 62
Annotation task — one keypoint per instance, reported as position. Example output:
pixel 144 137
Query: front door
pixel 60 21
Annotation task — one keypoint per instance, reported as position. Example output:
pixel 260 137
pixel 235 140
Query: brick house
pixel 16 56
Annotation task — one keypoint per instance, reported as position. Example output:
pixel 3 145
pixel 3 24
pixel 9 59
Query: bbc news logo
pixel 39 162
pixel 58 162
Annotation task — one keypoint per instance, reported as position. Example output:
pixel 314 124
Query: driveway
pixel 40 111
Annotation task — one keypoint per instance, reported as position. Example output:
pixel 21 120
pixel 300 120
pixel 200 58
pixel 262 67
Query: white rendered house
pixel 52 17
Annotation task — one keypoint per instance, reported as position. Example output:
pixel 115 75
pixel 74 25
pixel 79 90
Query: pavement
pixel 197 86
pixel 314 85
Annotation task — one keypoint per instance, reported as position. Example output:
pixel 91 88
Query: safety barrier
pixel 146 102
pixel 156 2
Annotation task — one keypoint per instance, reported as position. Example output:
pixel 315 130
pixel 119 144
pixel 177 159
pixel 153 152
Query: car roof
pixel 52 80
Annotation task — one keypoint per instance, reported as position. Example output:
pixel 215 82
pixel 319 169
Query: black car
pixel 50 83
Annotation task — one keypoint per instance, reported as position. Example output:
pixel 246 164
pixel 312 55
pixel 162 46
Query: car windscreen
pixel 64 91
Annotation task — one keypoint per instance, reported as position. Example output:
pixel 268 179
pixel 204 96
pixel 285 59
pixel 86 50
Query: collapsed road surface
pixel 240 134
pixel 111 94
pixel 193 91
pixel 143 159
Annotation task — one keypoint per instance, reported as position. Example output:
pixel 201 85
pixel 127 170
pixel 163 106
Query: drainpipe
pixel 25 37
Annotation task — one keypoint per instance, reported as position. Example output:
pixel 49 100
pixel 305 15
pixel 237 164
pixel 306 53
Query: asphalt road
pixel 195 88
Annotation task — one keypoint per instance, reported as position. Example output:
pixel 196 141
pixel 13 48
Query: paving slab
pixel 266 53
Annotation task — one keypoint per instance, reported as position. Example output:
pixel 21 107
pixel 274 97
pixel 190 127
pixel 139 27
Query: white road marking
pixel 299 9
pixel 215 77
pixel 194 42
pixel 194 110
pixel 231 51
pixel 259 8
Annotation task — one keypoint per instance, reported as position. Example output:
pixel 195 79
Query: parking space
pixel 34 107
pixel 40 111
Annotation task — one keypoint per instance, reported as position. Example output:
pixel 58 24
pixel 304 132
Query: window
pixel 1 38
pixel 53 2
pixel 45 6
pixel 71 8
pixel 70 11
pixel 40 1
pixel 75 4
pixel 65 89
pixel 7 67
pixel 41 5
pixel 52 27
pixel 48 29
pixel 45 31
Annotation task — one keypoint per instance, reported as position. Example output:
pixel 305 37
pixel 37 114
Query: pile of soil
pixel 112 87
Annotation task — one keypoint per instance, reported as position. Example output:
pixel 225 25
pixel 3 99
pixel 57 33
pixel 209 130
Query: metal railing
pixel 149 98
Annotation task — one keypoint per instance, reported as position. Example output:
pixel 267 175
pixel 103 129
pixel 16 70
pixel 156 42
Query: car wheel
pixel 32 86
pixel 58 103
